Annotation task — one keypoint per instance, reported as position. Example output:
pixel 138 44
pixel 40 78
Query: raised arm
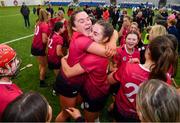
pixel 71 71
pixel 121 31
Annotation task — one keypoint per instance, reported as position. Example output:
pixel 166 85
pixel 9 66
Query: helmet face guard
pixel 9 62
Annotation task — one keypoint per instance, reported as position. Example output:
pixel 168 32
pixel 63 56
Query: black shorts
pixel 94 105
pixel 38 52
pixel 120 118
pixel 62 87
pixel 53 66
pixel 114 88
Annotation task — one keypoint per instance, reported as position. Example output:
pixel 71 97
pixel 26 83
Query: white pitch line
pixel 9 15
pixel 14 40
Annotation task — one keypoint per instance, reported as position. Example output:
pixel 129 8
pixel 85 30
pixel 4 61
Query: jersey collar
pixel 5 83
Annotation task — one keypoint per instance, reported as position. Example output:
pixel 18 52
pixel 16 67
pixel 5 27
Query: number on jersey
pixel 36 30
pixel 50 43
pixel 135 90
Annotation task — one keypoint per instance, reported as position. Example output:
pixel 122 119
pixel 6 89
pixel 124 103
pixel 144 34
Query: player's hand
pixel 111 45
pixel 65 57
pixel 75 113
pixel 134 60
pixel 110 51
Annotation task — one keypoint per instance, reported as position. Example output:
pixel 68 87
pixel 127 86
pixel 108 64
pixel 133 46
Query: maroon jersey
pixel 41 27
pixel 53 21
pixel 122 56
pixel 78 47
pixel 95 83
pixel 130 77
pixel 170 71
pixel 77 50
pixel 9 92
pixel 52 46
pixel 65 24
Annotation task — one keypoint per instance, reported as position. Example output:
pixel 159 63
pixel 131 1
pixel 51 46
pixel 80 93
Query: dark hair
pixel 28 107
pixel 71 21
pixel 56 28
pixel 162 55
pixel 174 41
pixel 108 28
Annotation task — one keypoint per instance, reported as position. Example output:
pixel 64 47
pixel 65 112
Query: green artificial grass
pixel 12 27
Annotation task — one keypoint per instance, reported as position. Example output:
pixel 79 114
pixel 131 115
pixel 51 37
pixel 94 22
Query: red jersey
pixel 95 83
pixel 41 27
pixel 122 56
pixel 65 23
pixel 77 50
pixel 69 12
pixel 53 21
pixel 130 77
pixel 170 71
pixel 52 46
pixel 123 37
pixel 9 92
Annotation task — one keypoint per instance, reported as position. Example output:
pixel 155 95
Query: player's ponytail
pixel 174 40
pixel 162 55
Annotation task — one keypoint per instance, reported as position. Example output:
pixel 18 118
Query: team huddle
pixel 89 67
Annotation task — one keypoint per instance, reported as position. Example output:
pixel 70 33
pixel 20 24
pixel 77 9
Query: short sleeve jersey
pixel 77 50
pixel 65 24
pixel 130 78
pixel 95 85
pixel 122 56
pixel 53 21
pixel 9 92
pixel 40 28
pixel 52 46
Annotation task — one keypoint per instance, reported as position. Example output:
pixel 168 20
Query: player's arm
pixel 44 38
pixel 106 51
pixel 71 71
pixel 134 60
pixel 111 79
pixel 59 50
pixel 120 33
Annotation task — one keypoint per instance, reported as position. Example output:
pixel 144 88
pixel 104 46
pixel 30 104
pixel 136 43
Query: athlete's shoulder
pixel 80 36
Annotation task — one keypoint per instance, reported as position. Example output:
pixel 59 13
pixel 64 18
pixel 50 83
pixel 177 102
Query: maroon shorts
pixel 38 52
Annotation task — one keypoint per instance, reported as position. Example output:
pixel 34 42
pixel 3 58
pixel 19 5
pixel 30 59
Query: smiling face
pixel 131 41
pixel 82 23
pixel 97 33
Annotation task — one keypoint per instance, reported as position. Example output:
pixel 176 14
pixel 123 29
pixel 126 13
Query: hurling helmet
pixel 9 63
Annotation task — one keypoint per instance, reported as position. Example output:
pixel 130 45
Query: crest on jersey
pixel 124 58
